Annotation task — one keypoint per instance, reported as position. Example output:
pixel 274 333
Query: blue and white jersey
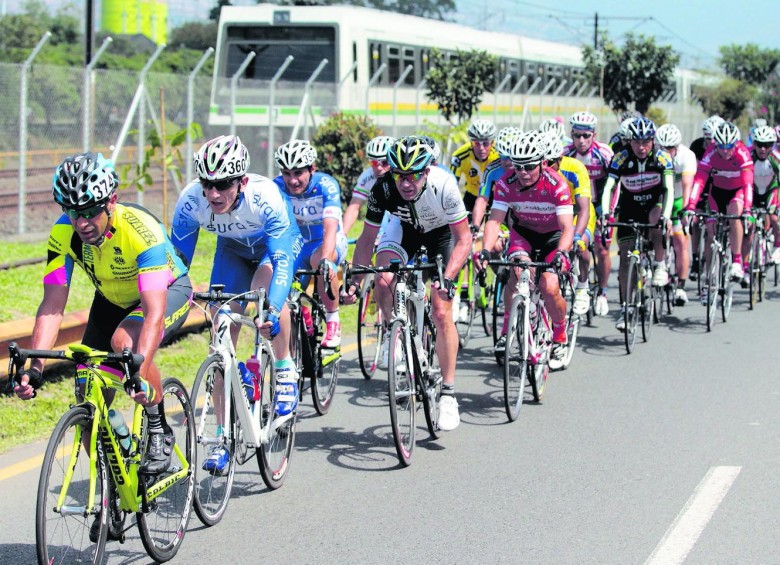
pixel 320 200
pixel 260 224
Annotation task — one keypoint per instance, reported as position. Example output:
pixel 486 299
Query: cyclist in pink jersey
pixel 540 212
pixel 730 168
pixel 596 157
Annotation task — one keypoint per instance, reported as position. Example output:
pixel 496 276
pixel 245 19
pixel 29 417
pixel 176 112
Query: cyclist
pixel 669 138
pixel 646 195
pixel 699 146
pixel 619 140
pixel 316 204
pixel 471 160
pixel 729 165
pixel 258 243
pixel 555 125
pixel 576 176
pixel 142 290
pixel 376 151
pixel 538 203
pixel 427 210
pixel 596 157
pixel 766 179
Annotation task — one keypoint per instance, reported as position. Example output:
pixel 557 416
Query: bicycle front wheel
pixel 326 363
pixel 712 287
pixel 572 332
pixel 516 360
pixel 273 457
pixel 633 303
pixel 62 532
pixel 401 389
pixel 432 380
pixel 754 270
pixel 369 329
pixel 162 529
pixel 212 487
pixel 727 284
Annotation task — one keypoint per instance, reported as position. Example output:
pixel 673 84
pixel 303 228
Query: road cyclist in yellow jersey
pixel 142 290
pixel 576 175
pixel 471 160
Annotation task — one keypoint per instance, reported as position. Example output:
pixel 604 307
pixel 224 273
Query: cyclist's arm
pixel 478 212
pixel 606 195
pixel 461 236
pixel 330 227
pixel 185 227
pixel 48 319
pixel 351 213
pixel 687 187
pixel 747 179
pixel 583 215
pixel 668 183
pixel 492 228
pixel 364 248
pixel 153 304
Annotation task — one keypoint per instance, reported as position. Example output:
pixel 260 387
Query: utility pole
pixel 596 31
pixel 89 32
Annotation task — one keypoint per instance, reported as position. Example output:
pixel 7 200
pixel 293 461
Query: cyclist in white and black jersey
pixel 427 210
pixel 376 151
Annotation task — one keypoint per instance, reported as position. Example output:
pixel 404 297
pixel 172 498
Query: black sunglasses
pixel 86 213
pixel 526 167
pixel 764 144
pixel 221 186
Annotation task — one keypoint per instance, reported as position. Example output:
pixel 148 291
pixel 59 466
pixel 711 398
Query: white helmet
pixel 668 135
pixel 528 149
pixel 623 131
pixel 709 125
pixel 222 158
pixel 554 146
pixel 481 130
pixel 759 122
pixel 296 154
pixel 765 134
pixel 554 126
pixel 583 120
pixel 726 133
pixel 377 147
pixel 505 138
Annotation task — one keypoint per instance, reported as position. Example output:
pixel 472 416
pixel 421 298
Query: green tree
pixel 457 83
pixel 637 73
pixel 341 146
pixel 749 63
pixel 728 99
pixel 194 35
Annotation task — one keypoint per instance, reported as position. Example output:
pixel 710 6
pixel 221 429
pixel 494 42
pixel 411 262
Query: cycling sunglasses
pixel 765 144
pixel 86 213
pixel 582 135
pixel 482 142
pixel 379 162
pixel 726 145
pixel 221 186
pixel 526 167
pixel 408 177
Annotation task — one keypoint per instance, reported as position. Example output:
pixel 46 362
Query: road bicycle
pixel 642 299
pixel 414 374
pixel 318 363
pixel 760 256
pixel 370 328
pixel 472 295
pixel 528 338
pixel 717 278
pixel 224 414
pixel 89 482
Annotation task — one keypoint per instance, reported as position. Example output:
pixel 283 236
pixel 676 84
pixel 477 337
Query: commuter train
pixel 361 60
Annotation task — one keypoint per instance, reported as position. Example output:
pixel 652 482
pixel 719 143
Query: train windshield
pixel 272 44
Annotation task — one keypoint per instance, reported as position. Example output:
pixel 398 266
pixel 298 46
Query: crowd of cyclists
pixel 555 190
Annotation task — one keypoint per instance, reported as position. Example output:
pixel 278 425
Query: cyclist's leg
pixel 390 248
pixel 736 231
pixel 331 304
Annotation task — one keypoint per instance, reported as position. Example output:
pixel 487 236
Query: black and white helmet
pixel 377 147
pixel 296 154
pixel 482 130
pixel 554 126
pixel 765 134
pixel 505 138
pixel 726 133
pixel 528 149
pixel 222 158
pixel 668 135
pixel 84 180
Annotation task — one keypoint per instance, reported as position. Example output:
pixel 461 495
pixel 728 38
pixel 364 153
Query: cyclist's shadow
pixel 17 553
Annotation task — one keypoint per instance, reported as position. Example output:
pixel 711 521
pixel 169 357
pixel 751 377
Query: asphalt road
pixel 668 455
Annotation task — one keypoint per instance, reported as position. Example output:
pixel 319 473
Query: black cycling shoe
pixel 158 453
pixel 114 533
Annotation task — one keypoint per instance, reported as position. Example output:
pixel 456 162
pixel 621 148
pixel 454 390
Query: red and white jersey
pixel 726 174
pixel 536 207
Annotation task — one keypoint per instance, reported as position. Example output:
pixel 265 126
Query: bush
pixel 341 148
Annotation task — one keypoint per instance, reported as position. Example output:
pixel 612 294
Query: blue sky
pixel 694 28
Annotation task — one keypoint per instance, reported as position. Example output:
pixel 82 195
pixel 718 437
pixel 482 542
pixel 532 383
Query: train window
pixel 424 64
pixel 376 57
pixel 513 68
pixel 354 60
pixel 398 58
pixel 272 45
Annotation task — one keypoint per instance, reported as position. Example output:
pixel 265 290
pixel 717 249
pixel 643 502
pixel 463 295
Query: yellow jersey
pixel 464 164
pixel 576 175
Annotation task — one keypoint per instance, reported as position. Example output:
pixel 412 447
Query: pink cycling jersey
pixel 727 174
pixel 535 208
pixel 596 160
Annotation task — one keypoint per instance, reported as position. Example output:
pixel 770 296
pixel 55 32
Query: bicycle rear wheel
pixel 572 332
pixel 431 381
pixel 162 529
pixel 727 285
pixel 464 317
pixel 369 329
pixel 484 299
pixel 497 305
pixel 712 282
pixel 62 533
pixel 402 393
pixel 763 269
pixel 516 360
pixel 754 269
pixel 212 489
pixel 273 457
pixel 326 363
pixel 633 303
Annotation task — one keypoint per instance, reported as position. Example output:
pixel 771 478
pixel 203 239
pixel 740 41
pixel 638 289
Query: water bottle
pixel 253 364
pixel 308 323
pixel 117 422
pixel 247 381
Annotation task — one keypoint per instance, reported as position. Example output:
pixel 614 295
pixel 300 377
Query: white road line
pixel 681 536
